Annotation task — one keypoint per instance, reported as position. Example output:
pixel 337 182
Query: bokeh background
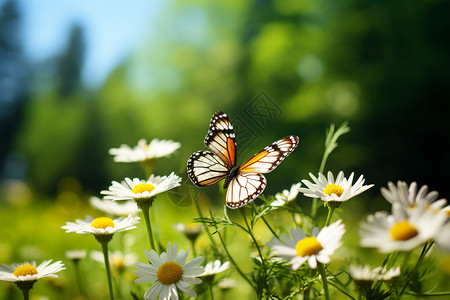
pixel 80 77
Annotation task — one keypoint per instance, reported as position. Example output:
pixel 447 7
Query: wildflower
pixel 170 271
pixel 226 284
pixel 110 207
pixel 190 230
pixel 334 191
pixel 364 276
pixel 143 151
pixel 316 248
pixel 212 268
pixel 101 226
pixel 409 197
pixel 119 260
pixel 143 192
pixel 443 238
pixel 286 196
pixel 26 274
pixel 136 189
pixel 103 229
pixel 75 255
pixel 401 231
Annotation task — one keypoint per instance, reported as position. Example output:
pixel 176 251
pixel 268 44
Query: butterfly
pixel 243 183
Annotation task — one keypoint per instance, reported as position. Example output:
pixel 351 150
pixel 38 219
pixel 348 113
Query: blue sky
pixel 113 28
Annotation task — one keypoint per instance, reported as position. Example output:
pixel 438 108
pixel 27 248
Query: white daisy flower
pixel 29 272
pixel 137 189
pixel 366 273
pixel 212 268
pixel 171 273
pixel 117 259
pixel 364 276
pixel 410 197
pixel 122 209
pixel 443 238
pixel 226 284
pixel 101 226
pixel 316 248
pixel 76 254
pixel 388 275
pixel 286 196
pixel 401 231
pixel 143 151
pixel 331 190
pixel 190 230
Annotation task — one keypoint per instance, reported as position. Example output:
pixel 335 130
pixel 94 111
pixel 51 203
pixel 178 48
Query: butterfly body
pixel 243 183
pixel 231 174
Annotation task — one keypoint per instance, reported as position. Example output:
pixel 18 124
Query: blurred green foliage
pixel 381 65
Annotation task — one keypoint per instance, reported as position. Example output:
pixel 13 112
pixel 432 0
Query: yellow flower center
pixel 118 262
pixel 170 272
pixel 333 189
pixel 143 187
pixel 403 231
pixel 102 222
pixel 24 270
pixel 308 246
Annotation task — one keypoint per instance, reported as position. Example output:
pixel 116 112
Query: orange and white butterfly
pixel 245 183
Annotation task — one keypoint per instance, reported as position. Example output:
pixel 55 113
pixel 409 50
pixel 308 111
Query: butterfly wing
pixel 221 139
pixel 244 188
pixel 271 156
pixel 205 168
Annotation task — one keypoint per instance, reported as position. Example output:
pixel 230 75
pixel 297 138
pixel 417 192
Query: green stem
pixel 108 271
pixel 78 277
pixel 342 290
pixel 314 207
pixel 193 248
pixel 145 207
pixel 26 294
pixel 231 258
pixel 307 289
pixel 425 249
pixel 147 165
pixel 211 294
pixel 330 214
pixel 199 212
pixel 321 168
pixel 250 232
pixel 306 292
pixel 321 269
pixel 268 226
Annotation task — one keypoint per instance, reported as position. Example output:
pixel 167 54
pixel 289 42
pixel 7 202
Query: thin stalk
pixel 268 226
pixel 193 248
pixel 437 294
pixel 406 260
pixel 108 271
pixel 147 165
pixel 321 270
pixel 307 289
pixel 342 291
pixel 425 249
pixel 211 294
pixel 250 232
pixel 146 212
pixel 321 168
pixel 199 212
pixel 26 294
pixel 330 144
pixel 330 214
pixel 78 277
pixel 231 258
